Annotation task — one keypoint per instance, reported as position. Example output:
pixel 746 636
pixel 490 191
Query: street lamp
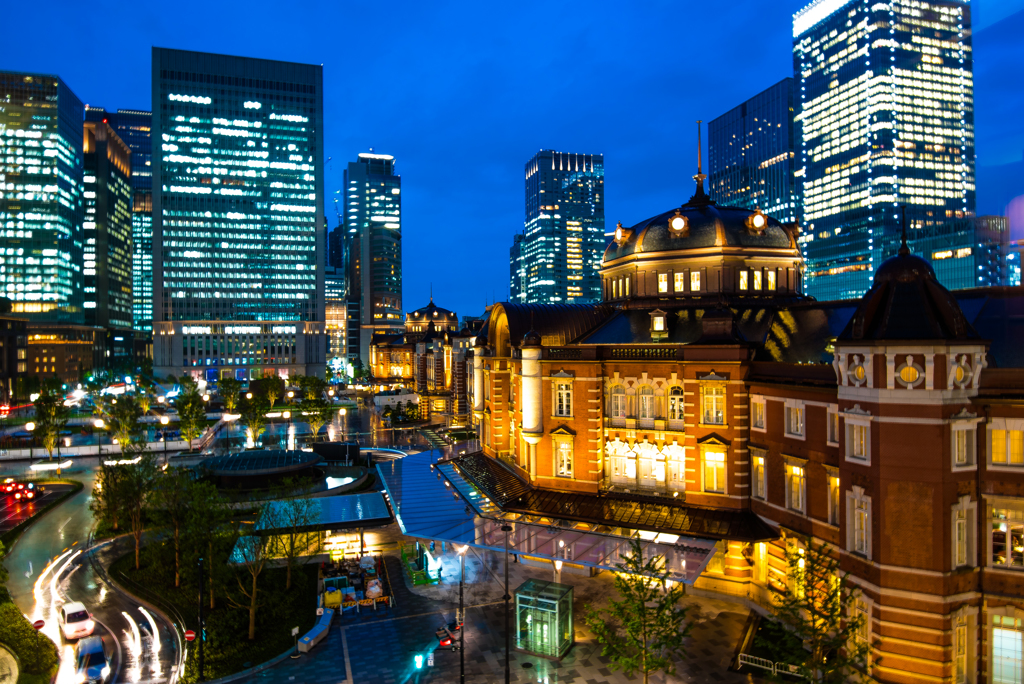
pixel 164 420
pixel 248 395
pixel 161 399
pixel 98 423
pixel 206 397
pixel 287 415
pixel 462 616
pixel 30 426
pixel 506 529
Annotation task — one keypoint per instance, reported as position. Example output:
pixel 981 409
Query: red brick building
pixel 707 388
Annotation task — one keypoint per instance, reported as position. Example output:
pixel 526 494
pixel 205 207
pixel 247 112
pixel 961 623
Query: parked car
pixel 92 661
pixel 75 621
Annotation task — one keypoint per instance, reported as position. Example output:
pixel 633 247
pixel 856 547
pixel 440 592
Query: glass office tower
pixel 752 154
pixel 563 241
pixel 238 216
pixel 41 206
pixel 885 119
pixel 373 218
pixel 107 230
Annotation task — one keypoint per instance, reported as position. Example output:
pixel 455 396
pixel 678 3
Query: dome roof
pixel 907 302
pixel 431 312
pixel 707 225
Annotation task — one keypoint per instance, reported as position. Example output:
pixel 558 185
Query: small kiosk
pixel 544 624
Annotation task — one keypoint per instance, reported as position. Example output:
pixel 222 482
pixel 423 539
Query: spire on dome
pixel 904 249
pixel 699 197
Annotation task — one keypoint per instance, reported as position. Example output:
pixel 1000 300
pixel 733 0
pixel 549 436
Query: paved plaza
pixel 379 647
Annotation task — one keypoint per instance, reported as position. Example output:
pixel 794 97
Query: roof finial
pixel 431 292
pixel 699 197
pixel 904 250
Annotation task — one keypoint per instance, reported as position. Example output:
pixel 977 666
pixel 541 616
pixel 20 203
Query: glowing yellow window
pixel 744 275
pixel 680 282
pixel 757 280
pixel 770 277
pixel 909 375
pixel 663 282
pixel 695 282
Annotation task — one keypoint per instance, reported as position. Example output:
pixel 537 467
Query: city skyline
pixel 428 118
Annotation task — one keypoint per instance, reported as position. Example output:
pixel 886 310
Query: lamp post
pixel 287 415
pixel 31 427
pixel 164 420
pixel 508 636
pixel 98 423
pixel 462 616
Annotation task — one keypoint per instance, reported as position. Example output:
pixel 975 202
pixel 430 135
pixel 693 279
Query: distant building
pixel 108 239
pixel 41 197
pixel 965 253
pixel 563 239
pixel 13 355
pixel 134 127
pixel 885 118
pixel 68 352
pixel 373 220
pixel 238 217
pixel 752 154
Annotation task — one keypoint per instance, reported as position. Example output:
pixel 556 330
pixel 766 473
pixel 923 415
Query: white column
pixel 533 421
pixel 478 382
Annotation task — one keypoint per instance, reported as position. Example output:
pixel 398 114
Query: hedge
pixel 37 653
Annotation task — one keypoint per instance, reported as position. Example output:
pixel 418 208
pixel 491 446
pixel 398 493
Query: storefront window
pixel 1008 537
pixel 1007 650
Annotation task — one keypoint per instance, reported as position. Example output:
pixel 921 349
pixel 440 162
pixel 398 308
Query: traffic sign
pixel 190 635
pixel 38 624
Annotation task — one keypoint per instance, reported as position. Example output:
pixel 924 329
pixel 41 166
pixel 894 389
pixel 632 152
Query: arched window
pixel 675 403
pixel 646 407
pixel 617 404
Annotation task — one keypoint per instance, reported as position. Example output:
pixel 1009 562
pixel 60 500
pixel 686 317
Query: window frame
pixel 964 514
pixel 646 403
pixel 1016 522
pixel 1009 427
pixel 834 495
pixel 676 403
pixel 679 281
pixel 857 503
pixel 720 464
pixel 705 396
pixel 832 418
pixel 562 389
pixel 744 280
pixel 563 444
pixel 759 473
pixel 853 422
pixel 762 404
pixel 663 282
pixel 612 401
pixel 794 407
pixel 796 485
pixel 695 281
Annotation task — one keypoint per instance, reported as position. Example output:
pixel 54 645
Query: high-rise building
pixel 108 238
pixel 134 127
pixel 373 219
pixel 563 239
pixel 238 216
pixel 752 154
pixel 517 269
pixel 965 253
pixel 885 118
pixel 41 197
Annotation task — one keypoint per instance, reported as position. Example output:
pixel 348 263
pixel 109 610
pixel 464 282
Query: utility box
pixel 544 622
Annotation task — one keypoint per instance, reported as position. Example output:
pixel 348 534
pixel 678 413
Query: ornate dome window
pixel 757 222
pixel 659 324
pixel 910 374
pixel 621 234
pixel 960 373
pixel 679 225
pixel 858 374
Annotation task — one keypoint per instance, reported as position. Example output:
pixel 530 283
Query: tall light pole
pixel 164 420
pixel 508 635
pixel 462 616
pixel 98 424
pixel 31 427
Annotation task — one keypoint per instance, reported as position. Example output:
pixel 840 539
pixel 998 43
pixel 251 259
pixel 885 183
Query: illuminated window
pixel 757 413
pixel 796 485
pixel 757 280
pixel 695 281
pixel 858 516
pixel 1007 446
pixel 627 285
pixel 675 403
pixel 795 420
pixel 564 454
pixel 713 404
pixel 646 396
pixel 714 472
pixel 663 282
pixel 563 399
pixel 833 499
pixel 770 278
pixel 743 279
pixel 1007 650
pixel 760 475
pixel 617 405
pixel 679 281
pixel 1008 536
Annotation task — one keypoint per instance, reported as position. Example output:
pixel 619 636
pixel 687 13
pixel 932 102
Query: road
pixel 13 511
pixel 49 565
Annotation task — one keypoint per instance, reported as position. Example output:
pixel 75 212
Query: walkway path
pixel 380 648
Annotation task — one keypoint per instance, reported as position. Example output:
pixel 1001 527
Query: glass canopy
pixel 432 500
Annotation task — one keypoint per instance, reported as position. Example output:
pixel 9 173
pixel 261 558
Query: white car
pixel 75 621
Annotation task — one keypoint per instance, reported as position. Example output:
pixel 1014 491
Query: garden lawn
pixel 228 649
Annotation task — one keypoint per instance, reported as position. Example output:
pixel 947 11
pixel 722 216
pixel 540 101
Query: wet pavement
pixel 50 565
pixel 14 511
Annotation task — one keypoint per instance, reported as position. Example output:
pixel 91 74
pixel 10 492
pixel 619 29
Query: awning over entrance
pixel 432 500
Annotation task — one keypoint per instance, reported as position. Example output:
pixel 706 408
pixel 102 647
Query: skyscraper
pixel 237 216
pixel 108 237
pixel 752 154
pixel 373 219
pixel 134 127
pixel 885 119
pixel 563 239
pixel 41 197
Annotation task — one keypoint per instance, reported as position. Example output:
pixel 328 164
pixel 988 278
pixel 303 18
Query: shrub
pixel 37 653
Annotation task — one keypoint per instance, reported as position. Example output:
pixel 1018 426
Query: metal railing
pixel 771 666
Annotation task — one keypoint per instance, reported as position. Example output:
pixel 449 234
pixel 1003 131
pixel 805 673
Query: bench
pixel 319 631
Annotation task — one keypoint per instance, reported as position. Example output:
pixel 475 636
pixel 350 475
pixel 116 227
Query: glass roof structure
pixel 433 501
pixel 331 513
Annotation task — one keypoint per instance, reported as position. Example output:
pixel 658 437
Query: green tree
pixel 172 503
pixel 817 608
pixel 51 417
pixel 295 517
pixel 136 491
pixel 254 417
pixel 191 410
pixel 229 391
pixel 144 399
pixel 643 632
pixel 204 531
pixel 251 554
pixel 357 369
pixel 124 421
pixel 316 412
pixel 107 498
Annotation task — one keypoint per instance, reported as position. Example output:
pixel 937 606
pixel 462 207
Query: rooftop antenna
pixel 904 250
pixel 699 197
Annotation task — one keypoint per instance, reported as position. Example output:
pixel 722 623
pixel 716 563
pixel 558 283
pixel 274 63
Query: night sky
pixel 464 93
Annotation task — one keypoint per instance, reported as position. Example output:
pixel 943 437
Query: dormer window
pixel 659 324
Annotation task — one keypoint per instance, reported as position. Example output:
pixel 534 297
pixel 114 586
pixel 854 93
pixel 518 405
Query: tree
pixel 229 391
pixel 124 421
pixel 204 527
pixel 191 410
pixel 357 369
pixel 817 609
pixel 51 417
pixel 295 517
pixel 136 490
pixel 316 412
pixel 254 417
pixel 107 498
pixel 311 386
pixel 644 631
pixel 144 399
pixel 172 501
pixel 252 552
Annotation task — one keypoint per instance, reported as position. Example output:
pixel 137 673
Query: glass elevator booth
pixel 544 618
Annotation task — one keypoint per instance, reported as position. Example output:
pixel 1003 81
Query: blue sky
pixel 463 94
